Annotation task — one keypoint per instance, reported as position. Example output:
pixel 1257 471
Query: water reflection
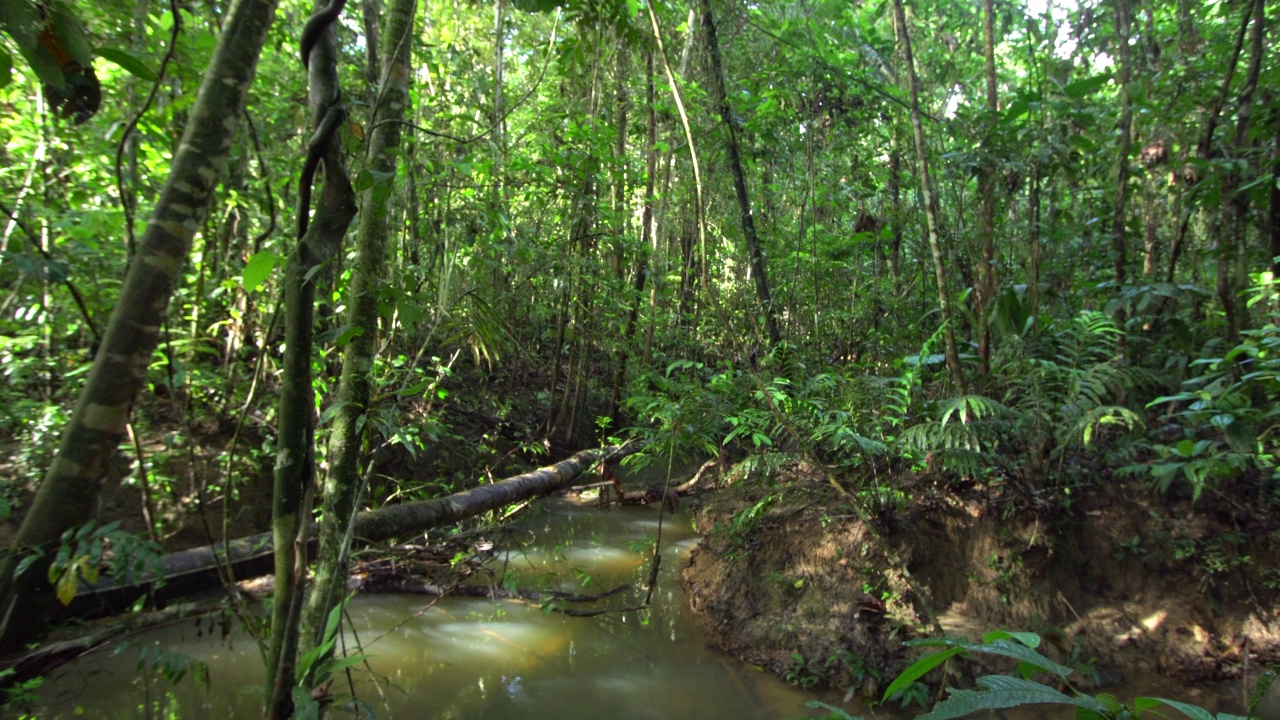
pixel 465 658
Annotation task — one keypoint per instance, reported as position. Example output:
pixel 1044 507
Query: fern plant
pixel 1059 393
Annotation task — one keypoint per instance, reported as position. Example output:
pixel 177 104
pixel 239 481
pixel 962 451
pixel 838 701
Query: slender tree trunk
pixel 71 485
pixel 344 485
pixel 318 241
pixel 646 235
pixel 754 251
pixel 1205 148
pixel 986 182
pixel 1273 213
pixel 1119 244
pixel 930 202
pixel 895 194
pixel 1033 262
pixel 1231 270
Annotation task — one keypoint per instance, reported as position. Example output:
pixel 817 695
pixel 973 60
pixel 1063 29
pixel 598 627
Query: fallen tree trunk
pixel 196 569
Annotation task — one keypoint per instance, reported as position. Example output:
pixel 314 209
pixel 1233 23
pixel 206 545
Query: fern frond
pixel 1087 426
pixel 971 407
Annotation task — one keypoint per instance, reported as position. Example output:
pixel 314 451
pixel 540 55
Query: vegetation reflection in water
pixel 465 658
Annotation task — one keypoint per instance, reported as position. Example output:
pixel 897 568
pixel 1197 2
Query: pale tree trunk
pixel 71 485
pixel 986 182
pixel 667 163
pixel 1119 244
pixel 318 241
pixel 754 252
pixel 930 202
pixel 344 485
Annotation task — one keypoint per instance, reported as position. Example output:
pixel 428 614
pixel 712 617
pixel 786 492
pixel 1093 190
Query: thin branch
pixel 266 182
pixel 133 125
pixel 35 242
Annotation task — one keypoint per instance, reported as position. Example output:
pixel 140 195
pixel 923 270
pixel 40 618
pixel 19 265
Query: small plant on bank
pixel 1002 692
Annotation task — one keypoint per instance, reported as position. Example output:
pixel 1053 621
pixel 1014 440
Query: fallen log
pixel 189 571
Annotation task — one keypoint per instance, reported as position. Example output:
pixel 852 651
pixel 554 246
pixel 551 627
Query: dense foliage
pixel 602 225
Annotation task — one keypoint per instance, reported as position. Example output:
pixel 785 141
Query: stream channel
pixel 468 659
pixel 460 658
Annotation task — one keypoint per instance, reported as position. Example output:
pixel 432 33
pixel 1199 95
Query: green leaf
pixel 66 585
pixel 133 65
pixel 1029 639
pixel 918 670
pixel 1005 647
pixel 1241 437
pixel 348 334
pixel 1191 711
pixel 1006 692
pixel 1080 88
pixel 257 269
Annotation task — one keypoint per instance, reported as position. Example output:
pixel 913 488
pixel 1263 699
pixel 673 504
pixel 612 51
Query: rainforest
pixel 639 358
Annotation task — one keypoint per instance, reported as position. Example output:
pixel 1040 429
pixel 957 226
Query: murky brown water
pixel 466 658
pixel 462 659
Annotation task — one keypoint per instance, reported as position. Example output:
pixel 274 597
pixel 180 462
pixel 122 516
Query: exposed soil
pixel 1116 581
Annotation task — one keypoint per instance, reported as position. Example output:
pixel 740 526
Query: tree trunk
pixel 1273 213
pixel 930 203
pixel 1119 244
pixel 986 181
pixel 318 241
pixel 1232 271
pixel 344 487
pixel 70 489
pixel 754 252
pixel 190 571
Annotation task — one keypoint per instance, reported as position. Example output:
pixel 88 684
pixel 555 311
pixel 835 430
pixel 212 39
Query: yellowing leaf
pixel 66 586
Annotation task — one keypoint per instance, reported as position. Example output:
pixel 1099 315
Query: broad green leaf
pixel 1006 692
pixel 258 268
pixel 133 65
pixel 1192 711
pixel 1004 647
pixel 1241 437
pixel 918 669
pixel 1029 639
pixel 348 334
pixel 1080 88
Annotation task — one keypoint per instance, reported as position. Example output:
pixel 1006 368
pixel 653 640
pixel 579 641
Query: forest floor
pixel 1119 581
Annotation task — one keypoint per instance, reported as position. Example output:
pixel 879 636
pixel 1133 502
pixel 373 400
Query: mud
pixel 1116 581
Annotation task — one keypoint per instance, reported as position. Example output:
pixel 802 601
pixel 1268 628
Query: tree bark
pixel 1232 271
pixel 1273 213
pixel 930 202
pixel 344 484
pixel 71 485
pixel 754 252
pixel 986 181
pixel 196 569
pixel 319 241
pixel 1119 244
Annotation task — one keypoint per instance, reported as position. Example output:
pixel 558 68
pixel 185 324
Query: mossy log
pixel 197 569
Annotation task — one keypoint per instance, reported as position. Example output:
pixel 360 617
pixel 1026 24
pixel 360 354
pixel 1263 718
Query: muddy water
pixel 460 659
pixel 465 658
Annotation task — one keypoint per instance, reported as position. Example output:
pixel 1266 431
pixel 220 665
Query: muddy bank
pixel 1115 580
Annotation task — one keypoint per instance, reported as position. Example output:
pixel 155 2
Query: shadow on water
pixel 460 659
